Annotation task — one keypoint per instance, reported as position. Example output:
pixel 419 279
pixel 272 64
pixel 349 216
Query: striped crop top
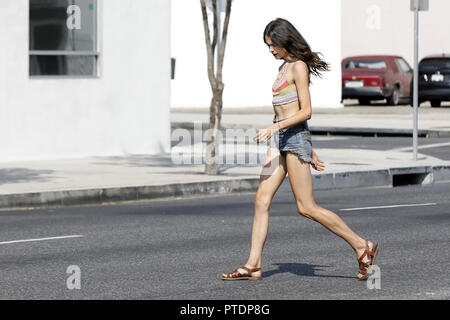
pixel 282 91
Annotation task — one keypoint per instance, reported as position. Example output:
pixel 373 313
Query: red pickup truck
pixel 376 77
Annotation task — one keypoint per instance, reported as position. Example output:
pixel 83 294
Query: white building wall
pixel 125 110
pixel 387 27
pixel 249 69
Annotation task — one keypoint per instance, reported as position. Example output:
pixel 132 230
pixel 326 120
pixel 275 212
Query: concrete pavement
pixel 139 177
pixel 351 119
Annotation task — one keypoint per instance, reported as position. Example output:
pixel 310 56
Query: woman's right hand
pixel 265 134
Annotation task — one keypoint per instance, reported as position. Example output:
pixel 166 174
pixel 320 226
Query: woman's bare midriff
pixel 287 110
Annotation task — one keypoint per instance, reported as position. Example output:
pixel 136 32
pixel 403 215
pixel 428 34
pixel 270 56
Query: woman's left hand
pixel 316 163
pixel 264 135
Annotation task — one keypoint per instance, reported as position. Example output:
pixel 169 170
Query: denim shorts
pixel 296 139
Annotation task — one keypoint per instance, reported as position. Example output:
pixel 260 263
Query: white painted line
pixel 41 239
pixel 393 206
pixel 425 146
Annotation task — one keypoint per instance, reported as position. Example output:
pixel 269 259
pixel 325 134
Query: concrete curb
pixel 131 193
pixel 352 179
pixel 388 132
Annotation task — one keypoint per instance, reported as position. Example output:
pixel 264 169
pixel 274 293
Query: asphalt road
pixel 435 147
pixel 177 248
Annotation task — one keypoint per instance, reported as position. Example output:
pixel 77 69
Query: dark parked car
pixel 434 80
pixel 376 77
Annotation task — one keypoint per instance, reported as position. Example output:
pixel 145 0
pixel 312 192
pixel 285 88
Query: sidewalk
pixel 352 119
pixel 98 180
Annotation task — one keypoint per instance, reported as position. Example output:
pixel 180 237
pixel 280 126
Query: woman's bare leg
pixel 272 175
pixel 268 186
pixel 300 178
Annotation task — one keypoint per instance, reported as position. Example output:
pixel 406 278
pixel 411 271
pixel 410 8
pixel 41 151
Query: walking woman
pixel 290 151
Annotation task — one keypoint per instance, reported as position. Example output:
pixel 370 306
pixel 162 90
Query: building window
pixel 63 38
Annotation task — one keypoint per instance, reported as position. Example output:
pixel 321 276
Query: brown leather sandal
pixel 371 255
pixel 236 275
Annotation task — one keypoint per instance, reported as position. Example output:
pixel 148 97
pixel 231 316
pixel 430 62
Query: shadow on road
pixel 301 269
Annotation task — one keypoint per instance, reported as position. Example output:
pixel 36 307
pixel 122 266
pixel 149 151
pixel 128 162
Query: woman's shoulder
pixel 300 66
pixel 300 70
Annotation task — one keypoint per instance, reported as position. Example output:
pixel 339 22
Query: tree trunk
pixel 217 86
pixel 212 146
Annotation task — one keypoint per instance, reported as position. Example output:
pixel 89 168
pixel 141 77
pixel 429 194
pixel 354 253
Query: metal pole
pixel 416 79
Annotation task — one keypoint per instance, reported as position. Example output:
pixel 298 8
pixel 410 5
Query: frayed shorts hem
pixel 300 156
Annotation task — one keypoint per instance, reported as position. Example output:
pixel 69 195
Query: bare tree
pixel 215 80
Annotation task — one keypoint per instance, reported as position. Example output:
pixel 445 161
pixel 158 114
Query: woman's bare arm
pixel 301 79
pixel 300 73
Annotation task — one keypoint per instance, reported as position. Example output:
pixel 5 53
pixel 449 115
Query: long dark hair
pixel 283 34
